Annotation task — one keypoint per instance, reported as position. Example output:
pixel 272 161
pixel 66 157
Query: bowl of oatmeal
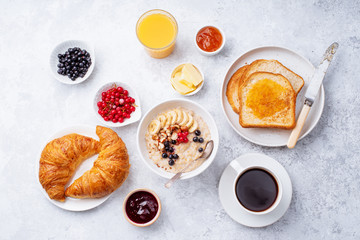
pixel 173 134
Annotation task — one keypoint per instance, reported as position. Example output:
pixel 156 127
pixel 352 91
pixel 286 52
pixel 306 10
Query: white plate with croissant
pixel 73 170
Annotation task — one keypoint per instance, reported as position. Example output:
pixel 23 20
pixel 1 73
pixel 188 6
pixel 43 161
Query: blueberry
pixel 201 149
pixel 167 149
pixel 164 155
pixel 171 149
pixel 201 140
pixel 59 56
pixel 166 143
pixel 173 141
pixel 59 71
pixel 175 156
pixel 171 162
pixel 197 132
pixel 195 139
pixel 171 156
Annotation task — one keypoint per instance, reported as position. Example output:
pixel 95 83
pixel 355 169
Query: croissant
pixel 59 160
pixel 109 171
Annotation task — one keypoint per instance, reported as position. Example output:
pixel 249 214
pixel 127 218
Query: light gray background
pixel 323 167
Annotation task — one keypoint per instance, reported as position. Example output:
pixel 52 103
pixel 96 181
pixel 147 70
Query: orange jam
pixel 264 98
pixel 209 39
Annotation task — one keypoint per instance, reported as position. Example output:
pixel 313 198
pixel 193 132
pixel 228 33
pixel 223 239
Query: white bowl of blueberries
pixel 72 61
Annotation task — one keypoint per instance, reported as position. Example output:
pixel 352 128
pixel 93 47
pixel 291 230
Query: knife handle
pixel 294 136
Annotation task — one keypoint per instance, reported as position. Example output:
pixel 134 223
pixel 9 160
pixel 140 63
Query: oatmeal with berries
pixel 175 138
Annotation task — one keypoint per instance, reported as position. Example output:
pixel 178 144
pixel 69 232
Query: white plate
pixel 232 205
pixel 135 116
pixel 61 49
pixel 166 105
pixel 269 136
pixel 73 204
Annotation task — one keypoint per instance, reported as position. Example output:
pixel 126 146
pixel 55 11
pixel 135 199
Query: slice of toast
pixel 267 100
pixel 276 67
pixel 232 89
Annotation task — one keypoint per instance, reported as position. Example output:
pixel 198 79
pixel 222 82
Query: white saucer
pixel 233 207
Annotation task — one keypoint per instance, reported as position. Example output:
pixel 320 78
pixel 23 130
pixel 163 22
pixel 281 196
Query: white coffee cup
pixel 236 166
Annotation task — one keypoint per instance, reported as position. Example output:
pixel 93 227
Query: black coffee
pixel 256 190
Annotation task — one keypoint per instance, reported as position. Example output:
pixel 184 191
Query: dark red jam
pixel 141 207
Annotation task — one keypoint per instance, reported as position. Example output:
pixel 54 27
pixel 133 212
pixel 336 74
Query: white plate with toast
pixel 274 137
pixel 73 204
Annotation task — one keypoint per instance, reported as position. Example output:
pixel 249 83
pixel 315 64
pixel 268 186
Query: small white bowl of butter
pixel 187 79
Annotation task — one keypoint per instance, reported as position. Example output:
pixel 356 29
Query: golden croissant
pixel 59 160
pixel 109 171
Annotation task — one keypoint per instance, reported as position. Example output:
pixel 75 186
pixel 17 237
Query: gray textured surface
pixel 324 167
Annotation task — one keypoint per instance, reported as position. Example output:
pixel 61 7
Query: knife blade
pixel 311 93
pixel 319 74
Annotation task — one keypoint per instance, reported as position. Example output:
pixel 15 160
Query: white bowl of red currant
pixel 116 104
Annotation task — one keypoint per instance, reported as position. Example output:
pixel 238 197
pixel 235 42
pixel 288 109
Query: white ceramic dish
pixel 268 136
pixel 232 205
pixel 197 89
pixel 61 49
pixel 215 52
pixel 153 112
pixel 135 116
pixel 73 204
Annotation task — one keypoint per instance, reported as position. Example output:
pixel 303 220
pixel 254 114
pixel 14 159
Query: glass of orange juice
pixel 157 30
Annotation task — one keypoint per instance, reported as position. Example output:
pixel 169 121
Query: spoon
pixel 207 152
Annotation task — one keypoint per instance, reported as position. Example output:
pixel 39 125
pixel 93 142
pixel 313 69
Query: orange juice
pixel 157 31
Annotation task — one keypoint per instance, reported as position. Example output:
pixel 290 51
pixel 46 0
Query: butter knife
pixel 311 93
